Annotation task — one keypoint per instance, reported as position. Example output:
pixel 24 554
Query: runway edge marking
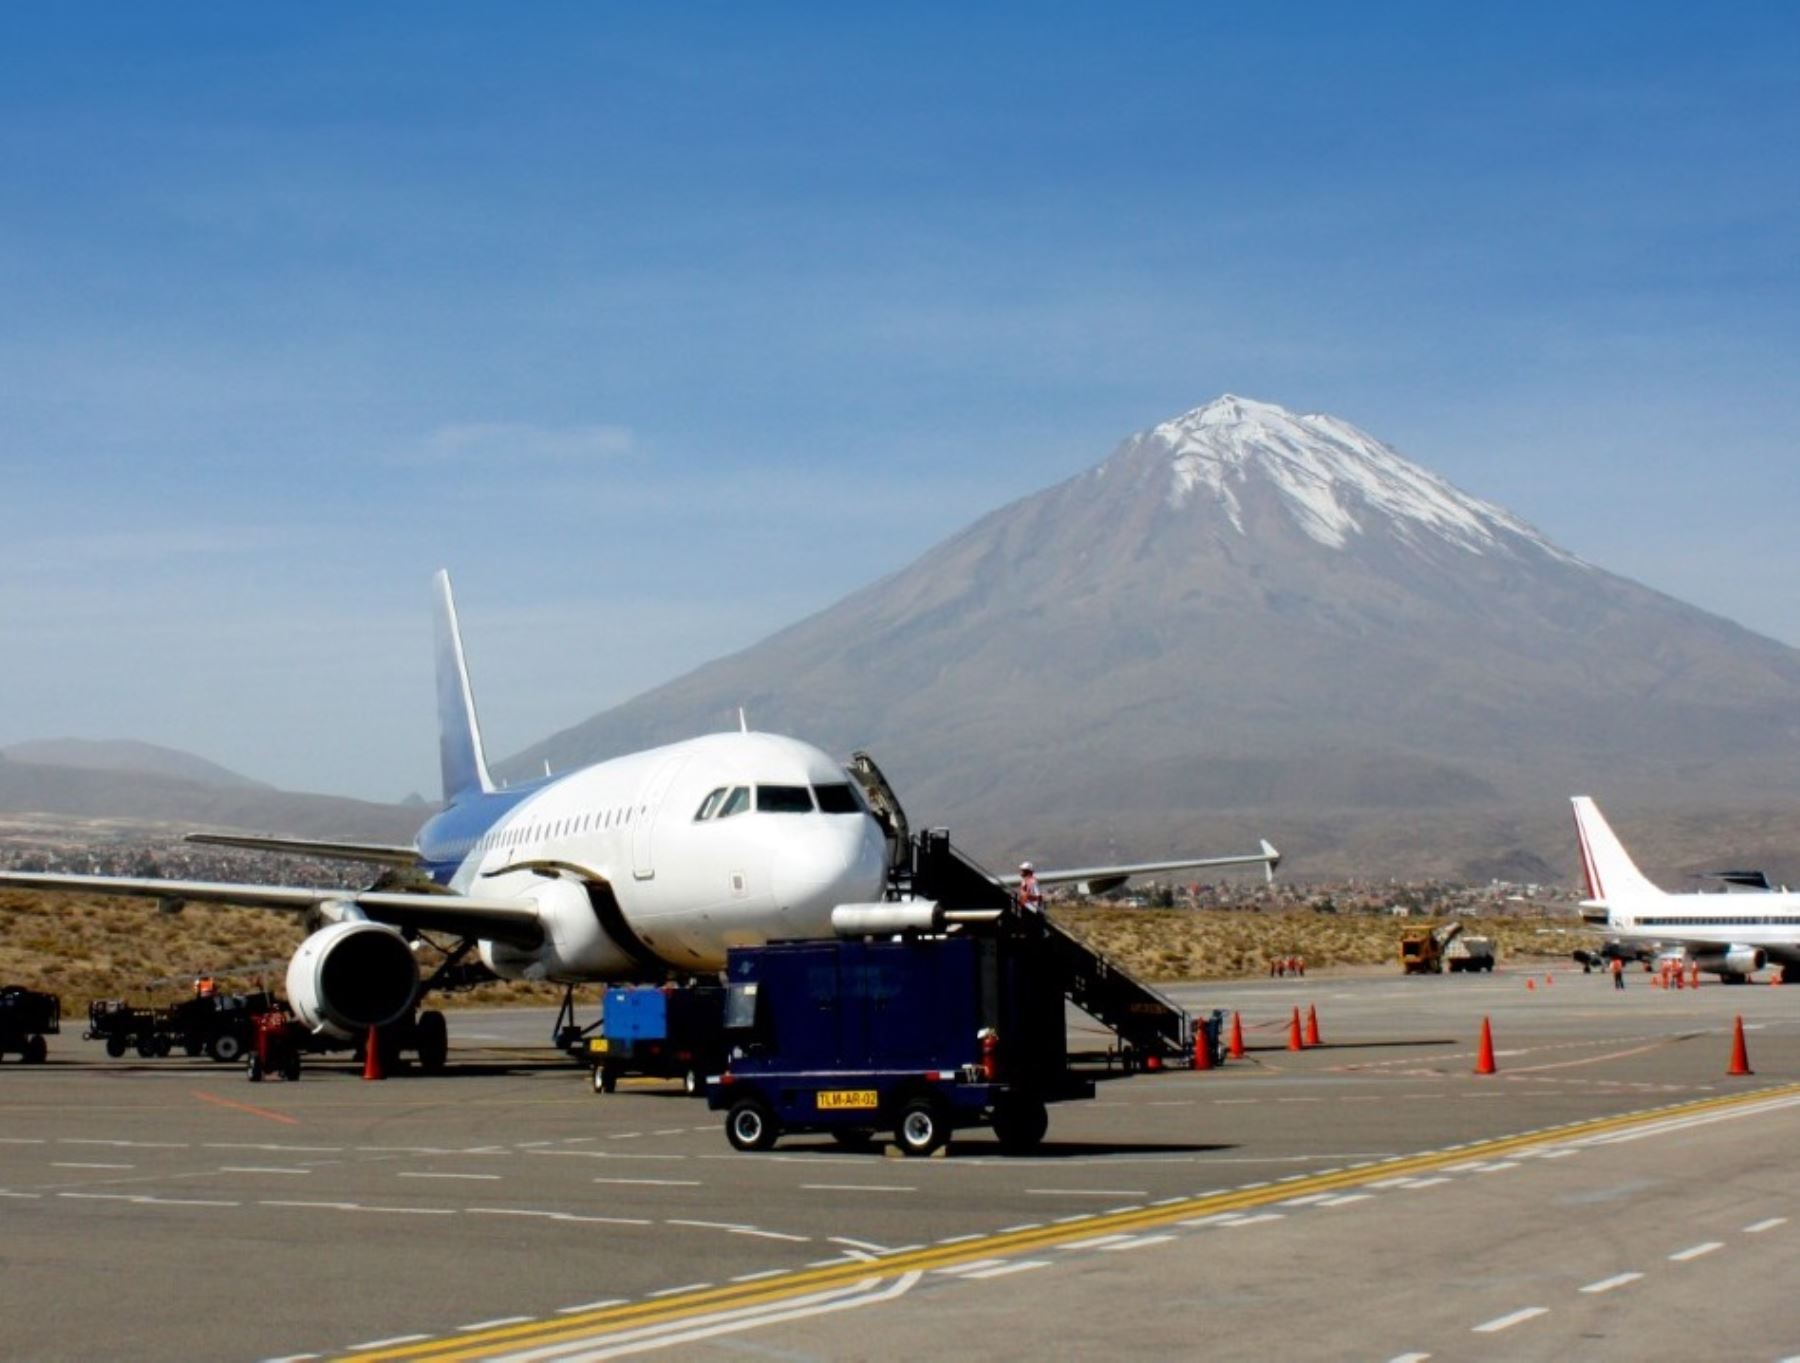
pixel 451 1346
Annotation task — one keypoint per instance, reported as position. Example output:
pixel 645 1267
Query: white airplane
pixel 641 867
pixel 1732 935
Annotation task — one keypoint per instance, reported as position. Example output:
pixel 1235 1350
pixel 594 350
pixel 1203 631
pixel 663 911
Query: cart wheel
pixel 608 1080
pixel 146 1047
pixel 693 1083
pixel 115 1046
pixel 164 1045
pixel 750 1125
pixel 290 1069
pixel 253 1070
pixel 225 1047
pixel 923 1127
pixel 1020 1124
pixel 600 1084
pixel 36 1049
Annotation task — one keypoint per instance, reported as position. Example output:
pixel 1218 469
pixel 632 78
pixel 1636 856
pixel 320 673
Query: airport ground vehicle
pixel 920 1035
pixel 217 1024
pixel 276 1044
pixel 663 1031
pixel 1468 952
pixel 1432 954
pixel 26 1018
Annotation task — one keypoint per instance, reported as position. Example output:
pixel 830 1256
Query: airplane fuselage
pixel 666 857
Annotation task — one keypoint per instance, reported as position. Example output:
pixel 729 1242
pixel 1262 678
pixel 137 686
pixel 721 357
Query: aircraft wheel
pixel 432 1041
pixel 923 1127
pixel 36 1050
pixel 750 1125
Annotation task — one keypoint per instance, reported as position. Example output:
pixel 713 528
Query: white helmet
pixel 1025 866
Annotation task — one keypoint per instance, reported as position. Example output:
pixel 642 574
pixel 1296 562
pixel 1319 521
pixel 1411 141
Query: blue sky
pixel 662 326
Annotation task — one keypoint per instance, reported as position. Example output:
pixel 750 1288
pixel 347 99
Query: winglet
pixel 1611 873
pixel 460 753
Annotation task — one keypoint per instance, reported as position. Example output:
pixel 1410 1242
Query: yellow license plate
pixel 842 1098
pixel 596 1043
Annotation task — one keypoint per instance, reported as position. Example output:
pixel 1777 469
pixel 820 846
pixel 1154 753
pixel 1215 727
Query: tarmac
pixel 1610 1193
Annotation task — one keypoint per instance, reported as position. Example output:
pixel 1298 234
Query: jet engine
pixel 349 977
pixel 1737 960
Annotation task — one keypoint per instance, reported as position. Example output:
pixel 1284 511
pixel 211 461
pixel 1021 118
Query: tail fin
pixel 460 753
pixel 1612 876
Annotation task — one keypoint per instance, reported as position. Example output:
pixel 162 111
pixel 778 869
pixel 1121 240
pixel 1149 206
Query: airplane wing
pixel 1100 879
pixel 385 854
pixel 505 920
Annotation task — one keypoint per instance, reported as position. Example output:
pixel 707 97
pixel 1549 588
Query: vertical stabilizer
pixel 459 734
pixel 1612 877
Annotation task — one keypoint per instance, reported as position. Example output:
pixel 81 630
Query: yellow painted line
pixel 590 1326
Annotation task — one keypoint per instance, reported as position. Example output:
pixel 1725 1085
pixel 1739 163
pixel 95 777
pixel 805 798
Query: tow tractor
pixel 956 1022
pixel 26 1018
pixel 217 1024
pixel 659 1030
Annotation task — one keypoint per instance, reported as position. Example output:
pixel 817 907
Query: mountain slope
pixel 1244 611
pixel 123 754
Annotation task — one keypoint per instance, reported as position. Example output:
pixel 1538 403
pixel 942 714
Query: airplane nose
pixel 842 864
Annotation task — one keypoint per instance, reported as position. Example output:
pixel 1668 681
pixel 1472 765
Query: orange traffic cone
pixel 1312 1026
pixel 1740 1058
pixel 1484 1059
pixel 1236 1049
pixel 1530 983
pixel 1203 1051
pixel 372 1057
pixel 1294 1042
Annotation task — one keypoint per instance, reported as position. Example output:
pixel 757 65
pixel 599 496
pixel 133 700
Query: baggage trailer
pixel 220 1025
pixel 666 1031
pixel 26 1018
pixel 917 1035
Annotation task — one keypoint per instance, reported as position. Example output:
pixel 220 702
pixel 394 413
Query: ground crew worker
pixel 1031 896
pixel 1618 972
pixel 204 987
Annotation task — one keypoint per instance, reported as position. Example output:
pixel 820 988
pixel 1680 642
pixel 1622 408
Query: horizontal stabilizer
pixel 384 854
pixel 1101 878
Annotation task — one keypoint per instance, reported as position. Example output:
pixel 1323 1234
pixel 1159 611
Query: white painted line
pixel 1468 1166
pixel 597 1305
pixel 496 1323
pixel 485 1178
pixel 1345 1199
pixel 1094 1242
pixel 23 1140
pixel 1681 1256
pixel 1086 1192
pixel 856 1188
pixel 654 1182
pixel 1409 1358
pixel 135 1145
pixel 677 1291
pixel 1137 1242
pixel 1306 1201
pixel 871 1247
pixel 560 1216
pixel 101 1197
pixel 1500 1166
pixel 1216 1219
pixel 259 1169
pixel 1022 1266
pixel 708 1225
pixel 770 1235
pixel 1608 1284
pixel 28 1196
pixel 1255 1220
pixel 1387 1183
pixel 758 1277
pixel 1015 1230
pixel 959 1239
pixel 1762 1226
pixel 185 1202
pixel 1426 1182
pixel 956 1270
pixel 1500 1323
pixel 77 1164
pixel 385 1343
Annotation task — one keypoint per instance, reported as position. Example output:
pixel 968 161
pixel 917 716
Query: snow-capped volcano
pixel 1332 478
pixel 1240 609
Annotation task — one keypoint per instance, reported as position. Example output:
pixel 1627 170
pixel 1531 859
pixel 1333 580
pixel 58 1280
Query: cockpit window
pixel 838 799
pixel 709 805
pixel 783 800
pixel 735 803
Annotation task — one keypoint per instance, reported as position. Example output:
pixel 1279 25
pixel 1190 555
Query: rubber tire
pixel 431 1040
pixel 1019 1126
pixel 115 1047
pixel 600 1084
pixel 146 1047
pixel 164 1045
pixel 253 1070
pixel 750 1125
pixel 609 1080
pixel 37 1050
pixel 290 1069
pixel 693 1084
pixel 225 1047
pixel 922 1128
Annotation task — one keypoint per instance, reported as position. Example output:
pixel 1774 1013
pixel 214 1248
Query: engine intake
pixel 349 977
